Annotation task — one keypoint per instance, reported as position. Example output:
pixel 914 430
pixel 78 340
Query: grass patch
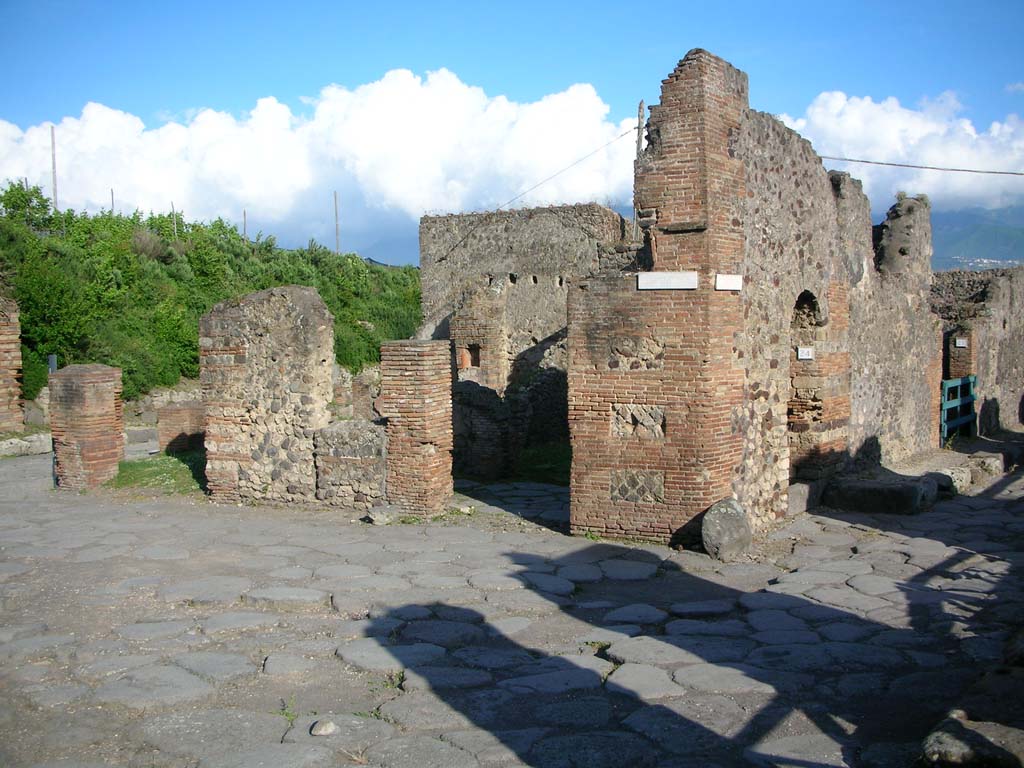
pixel 547 463
pixel 28 430
pixel 178 473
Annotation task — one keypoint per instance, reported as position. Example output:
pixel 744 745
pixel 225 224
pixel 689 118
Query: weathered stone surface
pixel 642 681
pixel 419 752
pixel 594 750
pixel 368 653
pixel 716 678
pixel 726 531
pixel 449 634
pixel 214 666
pixel 288 598
pixel 443 678
pixel 638 613
pixel 154 686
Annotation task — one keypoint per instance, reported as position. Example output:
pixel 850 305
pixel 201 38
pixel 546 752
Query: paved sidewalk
pixel 174 632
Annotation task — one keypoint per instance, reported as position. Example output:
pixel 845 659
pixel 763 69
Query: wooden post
pixel 337 232
pixel 53 164
pixel 639 145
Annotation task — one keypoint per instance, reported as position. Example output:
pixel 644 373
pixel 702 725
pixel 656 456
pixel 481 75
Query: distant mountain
pixel 978 238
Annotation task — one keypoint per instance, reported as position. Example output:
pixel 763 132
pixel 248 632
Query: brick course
pixel 416 401
pixel 87 421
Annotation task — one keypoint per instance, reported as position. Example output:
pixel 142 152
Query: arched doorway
pixel 805 409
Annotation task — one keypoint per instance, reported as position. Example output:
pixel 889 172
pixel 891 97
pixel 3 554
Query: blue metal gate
pixel 958 414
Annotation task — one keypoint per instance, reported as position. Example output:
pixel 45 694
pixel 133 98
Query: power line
pixel 923 167
pixel 540 183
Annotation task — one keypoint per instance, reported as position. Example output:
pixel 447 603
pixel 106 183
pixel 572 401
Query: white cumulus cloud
pixel 935 134
pixel 395 148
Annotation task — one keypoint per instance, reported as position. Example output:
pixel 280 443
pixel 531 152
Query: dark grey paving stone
pixel 797 658
pixel 627 570
pixel 718 678
pixel 595 749
pixel 703 608
pixel 576 712
pixel 637 613
pixel 237 621
pixel 846 631
pixel 497 748
pixel 419 752
pixel 288 598
pixel 378 656
pixel 155 686
pixel 798 751
pixel 770 620
pixel 850 656
pixel 545 582
pixel 726 628
pixel 207 590
pixel 553 682
pixel 153 630
pixel 444 678
pixel 208 733
pixel 581 573
pixel 427 710
pixel 786 637
pixel 214 666
pixel 282 664
pixel 448 634
pixel 343 733
pixel 697 725
pixel 276 756
pixel 492 658
pixel 643 681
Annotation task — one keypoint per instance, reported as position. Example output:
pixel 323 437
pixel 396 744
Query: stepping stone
pixel 368 653
pixel 715 678
pixel 627 570
pixel 288 598
pixel 548 583
pixel 239 620
pixel 214 666
pixel 637 613
pixel 701 608
pixel 449 634
pixel 212 589
pixel 643 682
pixel 419 752
pixel 155 686
pixel 444 678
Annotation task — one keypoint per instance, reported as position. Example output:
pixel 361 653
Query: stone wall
pixel 180 426
pixel 771 342
pixel 351 464
pixel 266 373
pixel 11 415
pixel 987 308
pixel 87 422
pixel 416 401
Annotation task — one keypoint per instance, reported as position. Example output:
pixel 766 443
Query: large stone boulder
pixel 726 530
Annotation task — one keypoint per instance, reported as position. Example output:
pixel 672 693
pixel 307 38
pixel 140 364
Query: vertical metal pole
pixel 51 362
pixel 639 145
pixel 245 226
pixel 111 201
pixel 53 164
pixel 174 220
pixel 337 232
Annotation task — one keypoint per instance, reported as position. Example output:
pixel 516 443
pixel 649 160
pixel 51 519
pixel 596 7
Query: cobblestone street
pixel 174 632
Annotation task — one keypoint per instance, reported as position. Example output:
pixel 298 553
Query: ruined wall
pixel 87 421
pixel 351 464
pixel 987 307
pixel 770 343
pixel 416 401
pixel 180 426
pixel 653 382
pixel 266 372
pixel 11 415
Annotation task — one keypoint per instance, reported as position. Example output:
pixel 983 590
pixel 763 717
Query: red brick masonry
pixel 87 419
pixel 11 417
pixel 416 400
pixel 180 427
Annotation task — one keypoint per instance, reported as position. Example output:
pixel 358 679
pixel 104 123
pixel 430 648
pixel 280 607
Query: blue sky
pixel 510 70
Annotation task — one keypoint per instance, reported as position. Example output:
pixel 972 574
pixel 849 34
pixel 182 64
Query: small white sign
pixel 805 353
pixel 960 343
pixel 666 281
pixel 728 282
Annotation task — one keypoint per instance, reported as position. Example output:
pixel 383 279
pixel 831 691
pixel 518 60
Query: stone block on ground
pixel 726 530
pixel 907 496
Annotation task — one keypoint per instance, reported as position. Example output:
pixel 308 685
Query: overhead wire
pixel 922 167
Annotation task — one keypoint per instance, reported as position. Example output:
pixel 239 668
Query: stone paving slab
pixel 168 630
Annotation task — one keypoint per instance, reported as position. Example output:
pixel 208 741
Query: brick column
pixel 11 416
pixel 653 380
pixel 87 420
pixel 416 400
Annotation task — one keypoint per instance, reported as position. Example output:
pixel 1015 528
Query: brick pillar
pixel 11 415
pixel 179 426
pixel 87 420
pixel 416 400
pixel 653 378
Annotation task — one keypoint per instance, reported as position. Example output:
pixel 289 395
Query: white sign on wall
pixel 960 343
pixel 728 282
pixel 805 353
pixel 666 281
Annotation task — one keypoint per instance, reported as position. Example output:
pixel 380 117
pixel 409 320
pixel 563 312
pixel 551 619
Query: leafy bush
pixel 124 291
